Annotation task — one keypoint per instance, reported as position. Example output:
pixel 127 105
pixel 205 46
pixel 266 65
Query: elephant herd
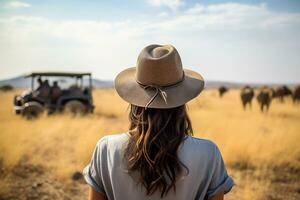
pixel 265 95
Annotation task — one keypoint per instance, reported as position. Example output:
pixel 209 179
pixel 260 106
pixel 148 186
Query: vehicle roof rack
pixel 70 74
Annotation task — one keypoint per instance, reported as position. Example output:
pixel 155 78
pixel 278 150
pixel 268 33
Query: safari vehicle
pixel 55 92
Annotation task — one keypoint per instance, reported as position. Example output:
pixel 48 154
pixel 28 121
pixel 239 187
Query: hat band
pixel 159 90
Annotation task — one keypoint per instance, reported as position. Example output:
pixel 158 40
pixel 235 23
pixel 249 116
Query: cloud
pixel 172 4
pixel 233 16
pixel 238 35
pixel 163 14
pixel 16 5
pixel 227 16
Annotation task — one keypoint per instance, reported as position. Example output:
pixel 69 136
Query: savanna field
pixel 39 157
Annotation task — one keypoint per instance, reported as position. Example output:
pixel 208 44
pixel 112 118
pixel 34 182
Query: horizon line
pixel 207 80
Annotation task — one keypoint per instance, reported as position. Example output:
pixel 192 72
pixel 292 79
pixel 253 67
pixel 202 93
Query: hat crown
pixel 159 65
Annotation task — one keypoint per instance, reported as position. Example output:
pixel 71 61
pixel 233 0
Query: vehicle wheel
pixel 75 107
pixel 32 110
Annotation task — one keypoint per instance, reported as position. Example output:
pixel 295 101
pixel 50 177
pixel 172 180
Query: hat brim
pixel 177 95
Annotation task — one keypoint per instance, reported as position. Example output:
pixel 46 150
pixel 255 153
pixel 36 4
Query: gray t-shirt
pixel 207 174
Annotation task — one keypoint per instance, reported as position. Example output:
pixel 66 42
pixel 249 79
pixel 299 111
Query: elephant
pixel 247 94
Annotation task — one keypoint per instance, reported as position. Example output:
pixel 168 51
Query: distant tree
pixel 6 88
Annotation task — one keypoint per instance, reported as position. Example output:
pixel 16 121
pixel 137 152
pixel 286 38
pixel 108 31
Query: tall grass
pixel 64 144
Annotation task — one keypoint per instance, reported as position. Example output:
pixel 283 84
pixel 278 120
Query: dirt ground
pixel 33 182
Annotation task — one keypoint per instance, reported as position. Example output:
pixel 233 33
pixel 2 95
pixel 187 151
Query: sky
pixel 238 41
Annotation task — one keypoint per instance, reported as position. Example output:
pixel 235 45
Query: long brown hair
pixel 152 148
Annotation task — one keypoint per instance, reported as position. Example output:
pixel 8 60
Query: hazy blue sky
pixel 242 41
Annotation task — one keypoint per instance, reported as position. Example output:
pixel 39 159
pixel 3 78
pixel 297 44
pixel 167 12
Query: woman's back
pixel 158 158
pixel 206 175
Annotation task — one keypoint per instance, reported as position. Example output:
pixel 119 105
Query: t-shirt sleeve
pixel 220 182
pixel 92 172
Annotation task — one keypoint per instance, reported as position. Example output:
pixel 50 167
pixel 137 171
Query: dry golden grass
pixel 64 143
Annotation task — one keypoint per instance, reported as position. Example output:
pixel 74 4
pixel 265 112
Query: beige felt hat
pixel 158 80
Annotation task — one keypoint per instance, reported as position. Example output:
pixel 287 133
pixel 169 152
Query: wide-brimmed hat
pixel 158 80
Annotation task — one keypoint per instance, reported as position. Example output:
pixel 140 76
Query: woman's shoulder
pixel 200 144
pixel 114 137
pixel 200 141
pixel 114 140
